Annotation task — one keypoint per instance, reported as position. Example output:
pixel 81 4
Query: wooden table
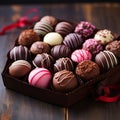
pixel 15 106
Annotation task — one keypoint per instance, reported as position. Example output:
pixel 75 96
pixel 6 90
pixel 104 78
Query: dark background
pixel 50 1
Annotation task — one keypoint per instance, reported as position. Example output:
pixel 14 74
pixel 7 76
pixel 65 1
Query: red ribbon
pixel 107 93
pixel 23 21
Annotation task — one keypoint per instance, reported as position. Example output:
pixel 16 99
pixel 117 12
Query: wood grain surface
pixel 15 106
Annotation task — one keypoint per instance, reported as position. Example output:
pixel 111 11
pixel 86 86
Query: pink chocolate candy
pixel 80 55
pixel 40 77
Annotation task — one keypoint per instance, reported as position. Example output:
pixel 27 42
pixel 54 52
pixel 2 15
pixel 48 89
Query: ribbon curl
pixel 24 21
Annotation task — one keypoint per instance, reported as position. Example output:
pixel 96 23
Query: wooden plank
pixel 103 16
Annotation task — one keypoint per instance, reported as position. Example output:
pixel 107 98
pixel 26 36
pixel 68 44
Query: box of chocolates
pixel 59 62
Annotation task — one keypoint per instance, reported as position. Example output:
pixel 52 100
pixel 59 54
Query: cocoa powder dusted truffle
pixel 104 36
pixel 87 69
pixel 19 53
pixel 85 29
pixel 64 81
pixel 51 20
pixel 64 28
pixel 114 47
pixel 39 47
pixel 63 63
pixel 59 51
pixel 28 37
pixel 43 60
pixel 42 28
pixel 73 41
pixel 106 60
pixel 92 46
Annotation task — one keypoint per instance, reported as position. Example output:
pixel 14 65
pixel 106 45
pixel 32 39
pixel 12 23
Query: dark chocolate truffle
pixel 114 47
pixel 64 28
pixel 28 37
pixel 49 20
pixel 87 69
pixel 106 60
pixel 39 47
pixel 64 81
pixel 63 63
pixel 42 28
pixel 59 51
pixel 43 60
pixel 19 53
pixel 73 41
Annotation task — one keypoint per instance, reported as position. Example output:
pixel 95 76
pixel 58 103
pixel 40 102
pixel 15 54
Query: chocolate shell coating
pixel 43 60
pixel 19 53
pixel 42 28
pixel 39 47
pixel 63 63
pixel 73 41
pixel 64 81
pixel 28 37
pixel 87 69
pixel 49 20
pixel 106 60
pixel 59 51
pixel 64 28
pixel 114 47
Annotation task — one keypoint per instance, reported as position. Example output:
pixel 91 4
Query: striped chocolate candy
pixel 42 28
pixel 64 28
pixel 106 60
pixel 19 53
pixel 73 41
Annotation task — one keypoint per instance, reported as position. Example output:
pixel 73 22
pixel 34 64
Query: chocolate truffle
pixel 114 47
pixel 80 55
pixel 106 60
pixel 49 20
pixel 19 53
pixel 104 36
pixel 87 69
pixel 53 38
pixel 28 37
pixel 64 28
pixel 42 28
pixel 59 51
pixel 19 68
pixel 92 46
pixel 73 41
pixel 39 47
pixel 43 60
pixel 64 81
pixel 85 29
pixel 63 63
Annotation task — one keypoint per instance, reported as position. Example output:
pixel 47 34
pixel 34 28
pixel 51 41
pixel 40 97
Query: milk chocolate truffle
pixel 92 46
pixel 42 28
pixel 59 51
pixel 63 63
pixel 19 68
pixel 106 60
pixel 27 37
pixel 43 60
pixel 64 81
pixel 64 28
pixel 39 47
pixel 114 47
pixel 19 53
pixel 87 69
pixel 85 29
pixel 49 20
pixel 53 38
pixel 104 36
pixel 73 41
